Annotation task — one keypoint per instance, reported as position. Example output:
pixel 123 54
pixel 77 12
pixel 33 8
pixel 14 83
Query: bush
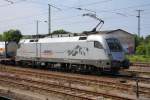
pixel 143 49
pixel 139 58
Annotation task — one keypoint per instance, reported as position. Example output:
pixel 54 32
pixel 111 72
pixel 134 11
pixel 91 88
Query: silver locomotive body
pixel 99 51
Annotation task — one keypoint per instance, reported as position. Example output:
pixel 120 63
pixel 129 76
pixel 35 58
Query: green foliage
pixel 147 39
pixel 27 37
pixel 142 45
pixel 138 40
pixel 61 31
pixel 139 58
pixel 12 35
pixel 142 50
pixel 1 37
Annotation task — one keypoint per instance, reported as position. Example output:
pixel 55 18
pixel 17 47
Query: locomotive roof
pixel 64 39
pixel 2 43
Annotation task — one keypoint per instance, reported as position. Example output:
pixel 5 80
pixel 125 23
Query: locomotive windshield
pixel 114 45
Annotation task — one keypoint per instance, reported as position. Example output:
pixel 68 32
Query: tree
pixel 61 31
pixel 1 37
pixel 147 38
pixel 143 49
pixel 138 40
pixel 12 35
pixel 140 50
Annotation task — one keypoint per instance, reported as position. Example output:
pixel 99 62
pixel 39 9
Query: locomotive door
pixel 38 50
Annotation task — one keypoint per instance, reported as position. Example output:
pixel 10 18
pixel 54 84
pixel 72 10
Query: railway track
pixel 140 69
pixel 140 72
pixel 34 85
pixel 70 80
pixel 141 64
pixel 42 72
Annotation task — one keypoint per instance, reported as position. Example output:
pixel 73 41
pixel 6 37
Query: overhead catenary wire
pixel 11 3
pixel 75 15
pixel 88 4
pixel 60 25
pixel 23 17
pixel 92 3
pixel 21 24
pixel 76 22
pixel 72 23
pixel 68 17
pixel 111 11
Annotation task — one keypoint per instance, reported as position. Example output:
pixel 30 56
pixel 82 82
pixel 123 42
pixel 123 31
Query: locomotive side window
pixel 82 38
pixel 34 40
pixel 31 40
pixel 97 45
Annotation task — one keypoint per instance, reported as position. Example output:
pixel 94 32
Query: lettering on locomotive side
pixel 78 50
pixel 48 51
pixel 47 54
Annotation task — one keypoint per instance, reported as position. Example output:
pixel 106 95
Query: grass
pixel 139 58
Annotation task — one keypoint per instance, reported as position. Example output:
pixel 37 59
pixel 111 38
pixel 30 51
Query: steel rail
pixel 126 87
pixel 45 86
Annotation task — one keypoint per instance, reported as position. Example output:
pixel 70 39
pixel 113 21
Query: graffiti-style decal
pixel 2 49
pixel 78 50
pixel 47 54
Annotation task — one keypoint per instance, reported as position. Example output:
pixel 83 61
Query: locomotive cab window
pixel 97 45
pixel 114 45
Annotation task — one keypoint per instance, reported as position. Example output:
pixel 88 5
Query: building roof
pixel 113 31
pixel 105 32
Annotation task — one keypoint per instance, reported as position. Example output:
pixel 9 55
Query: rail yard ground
pixel 35 84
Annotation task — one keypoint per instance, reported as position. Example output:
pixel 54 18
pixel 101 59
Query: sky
pixel 117 14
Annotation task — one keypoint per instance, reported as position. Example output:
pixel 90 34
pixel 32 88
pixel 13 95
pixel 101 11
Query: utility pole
pixel 49 19
pixel 37 28
pixel 139 22
pixel 37 33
